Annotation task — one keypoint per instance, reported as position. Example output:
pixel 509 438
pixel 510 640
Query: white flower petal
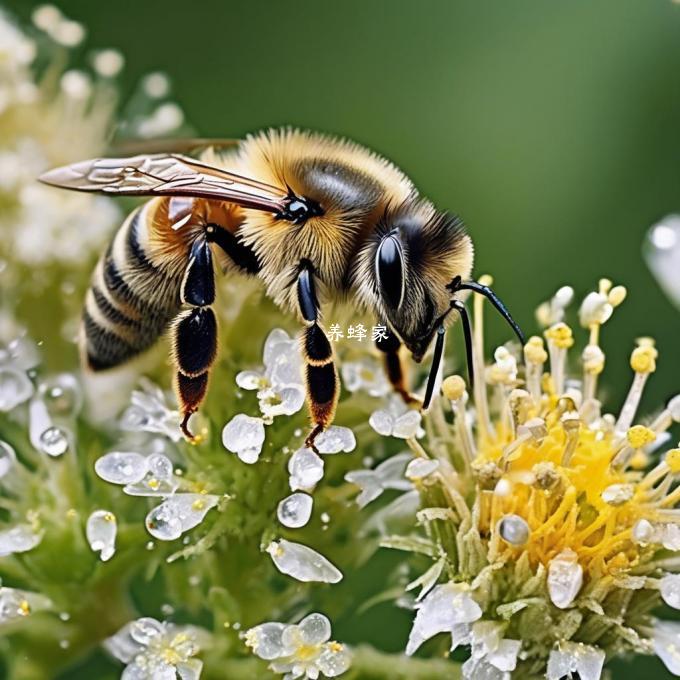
pixel 266 640
pixel 336 440
pixel 382 422
pixel 666 642
pixel 565 578
pixel 100 530
pixel 575 657
pixel 306 469
pixel 145 629
pixel 121 646
pixel 295 510
pixel 335 659
pixel 8 458
pixel 244 435
pixel 250 380
pixel 406 426
pixel 18 539
pixel 315 629
pixel 15 388
pixel 15 604
pixel 302 563
pixel 419 468
pixel 178 514
pixel 670 590
pixel 190 670
pixel 446 606
pixel 122 467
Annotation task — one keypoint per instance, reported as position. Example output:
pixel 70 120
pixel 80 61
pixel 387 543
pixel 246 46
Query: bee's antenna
pixel 434 368
pixel 458 284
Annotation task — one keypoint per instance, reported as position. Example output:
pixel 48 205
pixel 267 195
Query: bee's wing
pixel 166 175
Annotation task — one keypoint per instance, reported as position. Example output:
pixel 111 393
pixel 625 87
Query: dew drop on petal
pixel 178 514
pixel 163 523
pixel 666 642
pixel 336 440
pixel 54 442
pixel 18 539
pixel 265 640
pixel 335 659
pixel 302 563
pixel 7 458
pixel 120 467
pixel 101 529
pixel 249 380
pixel 62 395
pixel 315 629
pixel 575 657
pixel 514 530
pixel 306 469
pixel 15 604
pixel 565 578
pixel 295 510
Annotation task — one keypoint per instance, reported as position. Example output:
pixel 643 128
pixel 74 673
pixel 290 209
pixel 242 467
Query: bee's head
pixel 415 252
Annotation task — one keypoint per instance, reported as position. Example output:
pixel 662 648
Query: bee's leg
pixel 194 332
pixel 394 366
pixel 323 386
pixel 241 255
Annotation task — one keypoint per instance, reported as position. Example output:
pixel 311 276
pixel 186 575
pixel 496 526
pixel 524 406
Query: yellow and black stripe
pixel 133 295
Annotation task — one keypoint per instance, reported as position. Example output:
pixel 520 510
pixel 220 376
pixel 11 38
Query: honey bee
pixel 316 218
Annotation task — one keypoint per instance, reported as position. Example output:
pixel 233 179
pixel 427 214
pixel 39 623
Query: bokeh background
pixel 552 128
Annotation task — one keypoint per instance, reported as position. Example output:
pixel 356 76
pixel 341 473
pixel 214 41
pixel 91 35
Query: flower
pixel 543 510
pixel 162 651
pixel 365 374
pixel 149 411
pixel 302 650
pixel 387 475
pixel 396 420
pixel 280 388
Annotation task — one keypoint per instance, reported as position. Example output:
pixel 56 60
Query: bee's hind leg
pixel 394 366
pixel 194 332
pixel 321 378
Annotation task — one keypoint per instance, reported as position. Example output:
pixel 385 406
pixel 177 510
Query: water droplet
pixel 325 517
pixel 336 440
pixel 54 442
pixel 62 395
pixel 244 436
pixel 64 644
pixel 670 590
pixel 145 629
pixel 15 388
pixel 295 510
pixel 514 530
pixel 178 514
pixel 167 609
pixel 64 616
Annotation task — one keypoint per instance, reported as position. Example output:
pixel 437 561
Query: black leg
pixel 242 255
pixel 323 386
pixel 194 332
pixel 394 365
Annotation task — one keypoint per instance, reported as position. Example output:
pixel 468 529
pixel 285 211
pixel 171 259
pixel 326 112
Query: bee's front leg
pixel 321 377
pixel 394 366
pixel 194 332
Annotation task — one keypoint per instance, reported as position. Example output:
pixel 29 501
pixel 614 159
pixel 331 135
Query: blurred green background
pixel 552 128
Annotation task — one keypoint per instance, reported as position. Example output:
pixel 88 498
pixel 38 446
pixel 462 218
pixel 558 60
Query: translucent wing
pixel 167 175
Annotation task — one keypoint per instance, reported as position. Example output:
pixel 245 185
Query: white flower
pixel 565 578
pixel 666 643
pixel 158 651
pixel 366 374
pixel 301 650
pixel 178 514
pixel 280 388
pixel 149 412
pixel 446 609
pixel 15 604
pixel 100 530
pixel 575 657
pixel 302 563
pixel 397 420
pixel 388 475
pixel 244 436
pixel 492 656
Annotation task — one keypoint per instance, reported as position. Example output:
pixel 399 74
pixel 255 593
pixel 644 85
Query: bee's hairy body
pixel 345 223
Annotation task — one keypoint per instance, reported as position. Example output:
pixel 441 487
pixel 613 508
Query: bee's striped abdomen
pixel 134 294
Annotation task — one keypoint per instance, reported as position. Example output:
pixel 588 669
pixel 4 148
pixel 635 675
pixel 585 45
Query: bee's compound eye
pixel 389 262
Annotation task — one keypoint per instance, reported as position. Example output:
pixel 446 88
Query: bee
pixel 314 217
